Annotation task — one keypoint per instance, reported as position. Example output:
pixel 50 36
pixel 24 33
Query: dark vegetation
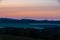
pixel 45 34
pixel 48 33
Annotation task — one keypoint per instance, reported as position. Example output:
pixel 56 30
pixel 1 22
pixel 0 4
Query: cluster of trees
pixel 48 33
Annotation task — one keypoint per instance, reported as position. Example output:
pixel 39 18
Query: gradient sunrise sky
pixel 32 9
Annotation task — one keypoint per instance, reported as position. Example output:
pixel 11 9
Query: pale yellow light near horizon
pixel 28 3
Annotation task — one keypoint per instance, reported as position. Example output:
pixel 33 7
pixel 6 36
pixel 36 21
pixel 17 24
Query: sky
pixel 31 9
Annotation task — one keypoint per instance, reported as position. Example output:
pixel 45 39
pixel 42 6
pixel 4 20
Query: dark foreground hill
pixel 29 29
pixel 11 37
pixel 30 33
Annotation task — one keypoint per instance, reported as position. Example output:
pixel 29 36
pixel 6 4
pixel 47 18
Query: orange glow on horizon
pixel 29 13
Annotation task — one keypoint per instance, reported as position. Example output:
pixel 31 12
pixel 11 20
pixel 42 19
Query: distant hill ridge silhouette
pixel 26 21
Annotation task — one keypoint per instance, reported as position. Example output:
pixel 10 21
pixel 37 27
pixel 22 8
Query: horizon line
pixel 33 19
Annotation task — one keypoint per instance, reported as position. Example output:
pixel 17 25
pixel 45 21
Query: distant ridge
pixel 26 21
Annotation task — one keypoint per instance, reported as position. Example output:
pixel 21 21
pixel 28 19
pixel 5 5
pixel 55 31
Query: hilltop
pixel 27 20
